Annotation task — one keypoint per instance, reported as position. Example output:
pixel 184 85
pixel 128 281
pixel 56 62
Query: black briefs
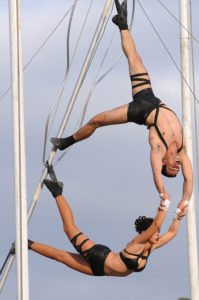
pixel 95 256
pixel 144 102
pixel 140 108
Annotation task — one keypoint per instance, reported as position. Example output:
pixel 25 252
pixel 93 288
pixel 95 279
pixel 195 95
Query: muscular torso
pixel 169 127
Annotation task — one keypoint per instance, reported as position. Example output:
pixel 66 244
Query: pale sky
pixel 107 178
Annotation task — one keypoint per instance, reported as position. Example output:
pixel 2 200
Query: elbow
pixel 188 180
pixel 158 226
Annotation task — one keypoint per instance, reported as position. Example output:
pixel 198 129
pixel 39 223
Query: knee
pixel 60 255
pixel 96 121
pixel 65 228
pixel 70 232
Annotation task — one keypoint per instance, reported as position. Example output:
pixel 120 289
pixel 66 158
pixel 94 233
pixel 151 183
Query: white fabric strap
pixel 176 213
pixel 186 202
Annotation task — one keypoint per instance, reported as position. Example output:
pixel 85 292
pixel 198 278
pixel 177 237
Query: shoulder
pixel 154 141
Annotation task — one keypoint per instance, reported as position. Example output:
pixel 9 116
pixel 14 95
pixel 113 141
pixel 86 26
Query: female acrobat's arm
pixel 171 233
pixel 157 222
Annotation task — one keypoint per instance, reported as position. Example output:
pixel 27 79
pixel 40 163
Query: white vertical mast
pixel 187 128
pixel 63 124
pixel 19 152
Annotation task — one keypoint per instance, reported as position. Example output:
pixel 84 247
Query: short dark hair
pixel 143 223
pixel 164 172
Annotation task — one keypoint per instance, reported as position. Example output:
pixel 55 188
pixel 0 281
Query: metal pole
pixel 187 128
pixel 19 152
pixel 64 122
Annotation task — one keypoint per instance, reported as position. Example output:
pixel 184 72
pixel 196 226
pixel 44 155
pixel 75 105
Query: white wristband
pixel 186 202
pixel 176 213
pixel 166 203
pixel 161 194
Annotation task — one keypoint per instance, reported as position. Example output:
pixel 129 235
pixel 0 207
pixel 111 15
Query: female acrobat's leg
pixel 72 260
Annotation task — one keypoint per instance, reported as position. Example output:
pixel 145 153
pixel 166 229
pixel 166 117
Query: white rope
pixel 56 101
pixel 96 81
pixel 62 127
pixel 39 49
pixel 178 21
pixel 167 50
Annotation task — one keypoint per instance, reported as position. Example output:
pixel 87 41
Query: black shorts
pixel 96 257
pixel 144 102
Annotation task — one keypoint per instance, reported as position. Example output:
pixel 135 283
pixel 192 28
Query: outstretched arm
pixel 188 181
pixel 157 222
pixel 156 164
pixel 170 234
